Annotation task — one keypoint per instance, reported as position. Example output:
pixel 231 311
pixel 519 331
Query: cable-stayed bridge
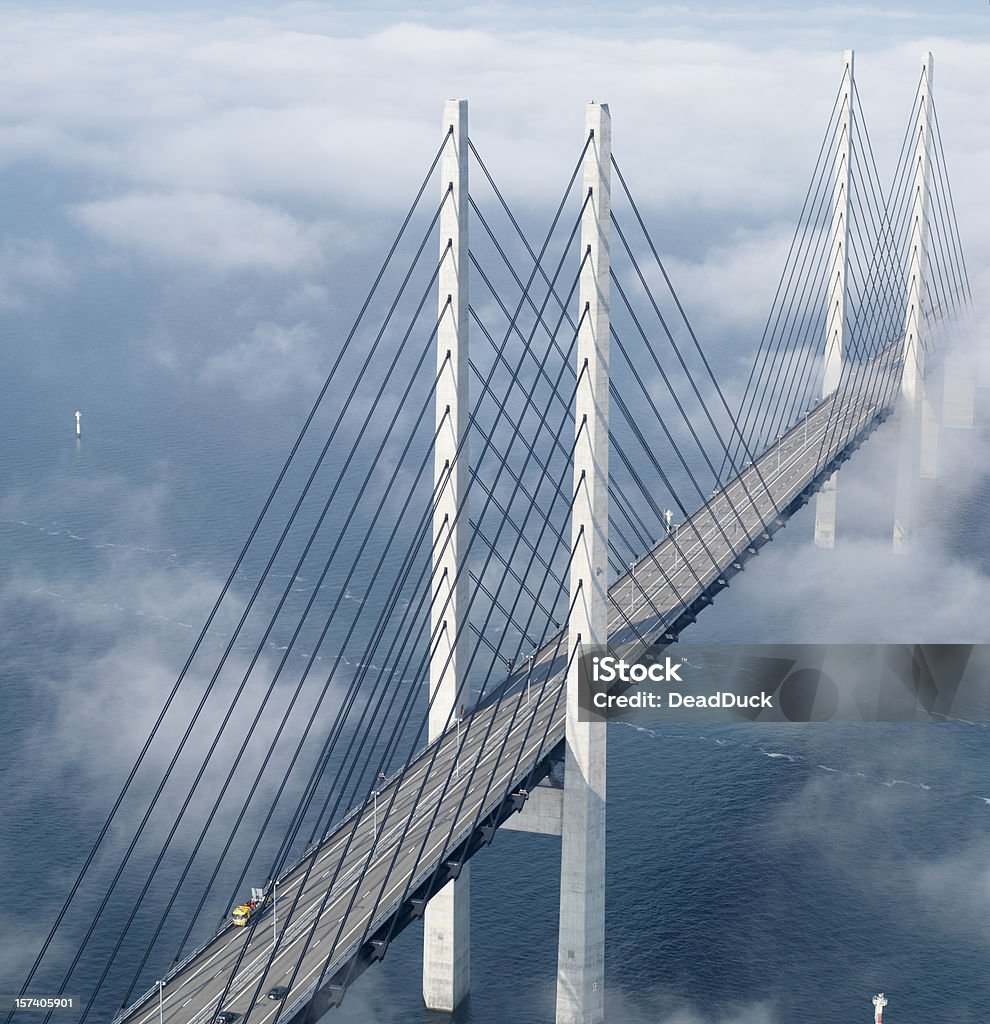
pixel 519 451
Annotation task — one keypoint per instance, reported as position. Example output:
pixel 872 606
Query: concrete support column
pixel 581 946
pixel 913 373
pixel 447 922
pixel 835 318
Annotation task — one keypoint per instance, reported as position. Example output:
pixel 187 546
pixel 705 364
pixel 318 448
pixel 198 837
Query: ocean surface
pixel 755 874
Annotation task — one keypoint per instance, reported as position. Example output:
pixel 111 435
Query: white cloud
pixel 957 889
pixel 247 104
pixel 272 361
pixel 229 140
pixel 28 268
pixel 867 828
pixel 123 635
pixel 811 593
pixel 641 1007
pixel 736 270
pixel 203 230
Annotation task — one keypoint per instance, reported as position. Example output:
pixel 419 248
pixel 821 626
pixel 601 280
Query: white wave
pixel 775 755
pixel 639 728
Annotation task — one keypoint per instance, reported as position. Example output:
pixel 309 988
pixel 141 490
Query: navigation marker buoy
pixel 78 423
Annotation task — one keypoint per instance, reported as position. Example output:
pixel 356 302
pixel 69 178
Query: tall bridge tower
pixel 835 324
pixel 581 941
pixel 917 420
pixel 447 920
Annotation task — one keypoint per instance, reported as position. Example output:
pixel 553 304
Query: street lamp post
pixel 457 748
pixel 378 782
pixel 161 1002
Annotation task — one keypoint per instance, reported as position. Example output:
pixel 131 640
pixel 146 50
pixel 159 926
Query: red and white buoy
pixel 879 1002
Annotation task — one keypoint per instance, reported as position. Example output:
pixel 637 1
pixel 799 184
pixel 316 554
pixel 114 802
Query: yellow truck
pixel 242 914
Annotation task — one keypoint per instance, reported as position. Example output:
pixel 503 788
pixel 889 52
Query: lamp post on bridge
pixel 161 1001
pixel 374 838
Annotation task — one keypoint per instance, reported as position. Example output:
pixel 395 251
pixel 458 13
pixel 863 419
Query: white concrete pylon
pixel 581 942
pixel 447 920
pixel 835 317
pixel 912 397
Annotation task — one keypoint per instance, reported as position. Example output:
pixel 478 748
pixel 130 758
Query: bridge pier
pixel 447 918
pixel 581 940
pixel 912 411
pixel 835 323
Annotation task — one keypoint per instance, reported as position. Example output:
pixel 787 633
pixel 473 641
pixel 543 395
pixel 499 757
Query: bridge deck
pixel 426 819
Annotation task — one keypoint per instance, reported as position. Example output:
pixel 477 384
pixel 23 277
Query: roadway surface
pixel 340 895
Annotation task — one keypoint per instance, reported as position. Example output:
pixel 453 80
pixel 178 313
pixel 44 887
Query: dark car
pixel 225 1017
pixel 278 992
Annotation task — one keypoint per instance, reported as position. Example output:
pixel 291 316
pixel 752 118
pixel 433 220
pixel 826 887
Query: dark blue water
pixel 755 874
